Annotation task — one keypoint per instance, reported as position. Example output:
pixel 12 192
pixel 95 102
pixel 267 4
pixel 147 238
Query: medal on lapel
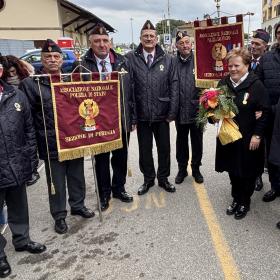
pixel 245 98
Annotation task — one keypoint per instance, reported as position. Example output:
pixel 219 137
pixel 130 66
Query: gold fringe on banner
pixel 206 83
pixel 91 150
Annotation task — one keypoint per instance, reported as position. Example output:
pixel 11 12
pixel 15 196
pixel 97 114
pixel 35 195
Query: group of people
pixel 156 89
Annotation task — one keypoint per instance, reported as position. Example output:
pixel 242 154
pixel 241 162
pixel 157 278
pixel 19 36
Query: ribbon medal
pixel 246 96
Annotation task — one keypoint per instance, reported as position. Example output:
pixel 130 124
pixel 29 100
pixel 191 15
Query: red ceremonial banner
pixel 212 43
pixel 87 118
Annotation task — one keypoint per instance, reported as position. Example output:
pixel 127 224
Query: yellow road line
pixel 220 244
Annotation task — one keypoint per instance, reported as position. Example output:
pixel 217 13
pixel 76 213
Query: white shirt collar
pixel 145 53
pixel 242 79
pixel 107 59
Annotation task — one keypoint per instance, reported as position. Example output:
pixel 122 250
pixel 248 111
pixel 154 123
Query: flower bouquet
pixel 217 103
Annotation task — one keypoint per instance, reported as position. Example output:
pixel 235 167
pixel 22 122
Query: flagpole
pixel 93 161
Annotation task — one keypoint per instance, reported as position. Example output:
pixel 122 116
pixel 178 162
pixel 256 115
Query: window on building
pixel 264 2
pixel 277 10
pixel 270 13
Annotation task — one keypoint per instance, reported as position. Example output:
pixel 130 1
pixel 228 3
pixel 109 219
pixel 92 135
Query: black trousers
pixel 242 189
pixel 119 167
pixel 70 173
pixel 145 133
pixel 18 219
pixel 182 145
pixel 273 170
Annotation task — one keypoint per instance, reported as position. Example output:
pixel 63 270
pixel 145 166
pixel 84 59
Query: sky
pixel 118 13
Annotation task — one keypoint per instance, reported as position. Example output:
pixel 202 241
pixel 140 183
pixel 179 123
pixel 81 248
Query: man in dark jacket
pixel 38 90
pixel 258 48
pixel 100 58
pixel 188 107
pixel 268 71
pixel 17 158
pixel 156 96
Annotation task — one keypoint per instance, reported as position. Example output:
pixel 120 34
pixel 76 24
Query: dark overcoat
pixel 274 155
pixel 236 157
pixel 155 87
pixel 18 152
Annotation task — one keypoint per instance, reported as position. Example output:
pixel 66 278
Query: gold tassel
pixel 129 172
pixel 52 189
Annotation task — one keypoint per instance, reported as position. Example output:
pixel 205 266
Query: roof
pixel 86 20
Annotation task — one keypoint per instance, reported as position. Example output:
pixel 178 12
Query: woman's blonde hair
pixel 242 52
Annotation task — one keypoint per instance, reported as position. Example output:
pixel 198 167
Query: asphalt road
pixel 161 236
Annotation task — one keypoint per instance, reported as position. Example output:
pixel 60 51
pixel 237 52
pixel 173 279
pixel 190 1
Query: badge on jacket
pixel 246 96
pixel 161 67
pixel 18 107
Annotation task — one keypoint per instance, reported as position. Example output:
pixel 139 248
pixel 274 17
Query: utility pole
pixel 169 23
pixel 131 19
pixel 218 7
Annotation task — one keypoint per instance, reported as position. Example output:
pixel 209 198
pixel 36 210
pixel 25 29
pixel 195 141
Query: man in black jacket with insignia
pixel 156 95
pixel 18 157
pixel 268 72
pixel 69 172
pixel 188 107
pixel 258 48
pixel 101 58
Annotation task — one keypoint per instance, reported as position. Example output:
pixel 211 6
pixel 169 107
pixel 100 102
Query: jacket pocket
pixel 163 106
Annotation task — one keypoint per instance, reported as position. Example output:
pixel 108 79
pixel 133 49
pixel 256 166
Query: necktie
pixel 102 63
pixel 149 60
pixel 254 64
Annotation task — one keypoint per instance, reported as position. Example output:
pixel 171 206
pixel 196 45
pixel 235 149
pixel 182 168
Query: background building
pixel 26 24
pixel 271 16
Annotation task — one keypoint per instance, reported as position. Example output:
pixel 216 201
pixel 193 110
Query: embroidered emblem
pixel 18 107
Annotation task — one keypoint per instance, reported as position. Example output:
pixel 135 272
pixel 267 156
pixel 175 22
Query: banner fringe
pixel 89 151
pixel 206 83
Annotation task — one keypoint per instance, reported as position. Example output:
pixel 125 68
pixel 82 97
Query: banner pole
pixel 46 137
pixel 93 161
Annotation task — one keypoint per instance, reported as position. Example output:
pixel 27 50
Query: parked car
pixel 34 58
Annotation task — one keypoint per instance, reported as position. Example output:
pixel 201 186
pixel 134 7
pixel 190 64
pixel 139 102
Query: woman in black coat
pixel 243 159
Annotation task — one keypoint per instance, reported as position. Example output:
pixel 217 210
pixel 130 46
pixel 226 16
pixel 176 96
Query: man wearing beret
pixel 258 48
pixel 268 72
pixel 69 172
pixel 188 107
pixel 18 155
pixel 156 95
pixel 101 58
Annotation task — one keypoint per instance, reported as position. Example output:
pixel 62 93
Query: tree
pixel 162 27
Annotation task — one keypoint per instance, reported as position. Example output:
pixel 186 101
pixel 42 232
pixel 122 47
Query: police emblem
pixel 88 110
pixel 50 49
pixel 161 67
pixel 18 107
pixel 180 35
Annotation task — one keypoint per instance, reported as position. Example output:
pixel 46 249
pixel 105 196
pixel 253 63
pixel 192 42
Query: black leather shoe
pixel 60 226
pixel 278 225
pixel 145 188
pixel 104 204
pixel 34 178
pixel 5 269
pixel 270 196
pixel 241 212
pixel 259 184
pixel 32 247
pixel 123 196
pixel 197 176
pixel 167 186
pixel 232 208
pixel 83 212
pixel 180 177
